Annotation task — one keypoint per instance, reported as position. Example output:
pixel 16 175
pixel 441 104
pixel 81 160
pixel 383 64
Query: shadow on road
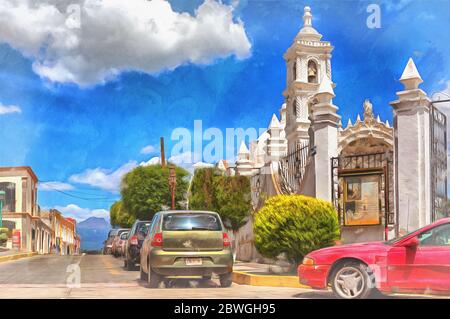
pixel 183 284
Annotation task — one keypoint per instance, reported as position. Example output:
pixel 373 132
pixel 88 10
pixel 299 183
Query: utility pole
pixel 163 155
pixel 172 183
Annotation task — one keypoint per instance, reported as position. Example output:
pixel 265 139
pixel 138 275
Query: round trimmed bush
pixel 295 225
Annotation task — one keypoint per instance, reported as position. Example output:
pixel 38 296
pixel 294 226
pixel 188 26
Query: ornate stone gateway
pixel 438 164
pixel 362 189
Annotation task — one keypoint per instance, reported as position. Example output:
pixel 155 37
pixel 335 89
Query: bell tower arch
pixel 308 62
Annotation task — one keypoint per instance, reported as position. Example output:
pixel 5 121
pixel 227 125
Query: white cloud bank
pixel 80 214
pixel 55 186
pixel 9 109
pixel 105 179
pixel 149 149
pixel 152 161
pixel 91 42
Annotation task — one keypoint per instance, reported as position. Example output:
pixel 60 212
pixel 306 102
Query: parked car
pixel 107 248
pixel 134 242
pixel 107 244
pixel 116 240
pixel 119 249
pixel 416 263
pixel 186 244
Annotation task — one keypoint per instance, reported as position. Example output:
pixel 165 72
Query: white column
pixel 325 126
pixel 412 151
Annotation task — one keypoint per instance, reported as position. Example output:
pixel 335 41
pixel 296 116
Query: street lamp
pixel 2 198
pixel 172 183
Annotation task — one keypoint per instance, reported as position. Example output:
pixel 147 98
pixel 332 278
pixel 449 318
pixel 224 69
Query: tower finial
pixel 307 17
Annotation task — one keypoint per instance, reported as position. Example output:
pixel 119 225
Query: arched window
pixel 9 203
pixel 312 72
pixel 294 107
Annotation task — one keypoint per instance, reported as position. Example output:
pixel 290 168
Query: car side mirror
pixel 412 242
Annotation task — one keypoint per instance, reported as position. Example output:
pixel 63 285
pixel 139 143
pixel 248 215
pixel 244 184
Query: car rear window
pixel 189 221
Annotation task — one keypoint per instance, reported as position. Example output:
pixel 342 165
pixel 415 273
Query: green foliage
pixel 295 225
pixel 145 190
pixel 202 191
pixel 227 195
pixel 119 215
pixel 3 235
pixel 233 199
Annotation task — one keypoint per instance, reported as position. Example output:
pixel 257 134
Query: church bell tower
pixel 308 64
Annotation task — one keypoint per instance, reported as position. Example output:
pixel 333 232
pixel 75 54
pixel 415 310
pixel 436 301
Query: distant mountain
pixel 93 232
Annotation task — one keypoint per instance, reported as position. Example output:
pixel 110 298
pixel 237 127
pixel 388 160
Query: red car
pixel 416 263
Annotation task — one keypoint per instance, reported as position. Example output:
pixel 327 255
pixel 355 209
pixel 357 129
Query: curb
pixel 16 256
pixel 243 278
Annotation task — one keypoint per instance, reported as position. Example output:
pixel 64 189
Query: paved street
pixel 104 277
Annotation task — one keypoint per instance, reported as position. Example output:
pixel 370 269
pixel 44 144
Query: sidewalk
pixel 255 274
pixel 6 255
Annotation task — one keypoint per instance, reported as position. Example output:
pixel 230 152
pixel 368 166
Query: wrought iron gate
pixel 438 127
pixel 292 169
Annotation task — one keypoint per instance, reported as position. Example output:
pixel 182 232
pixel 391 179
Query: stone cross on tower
pixel 307 62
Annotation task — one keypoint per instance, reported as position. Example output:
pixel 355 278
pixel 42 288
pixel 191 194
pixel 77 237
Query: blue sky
pixel 82 133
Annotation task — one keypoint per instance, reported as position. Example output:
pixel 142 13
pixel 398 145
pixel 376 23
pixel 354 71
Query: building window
pixel 294 108
pixel 312 72
pixel 9 205
pixel 294 71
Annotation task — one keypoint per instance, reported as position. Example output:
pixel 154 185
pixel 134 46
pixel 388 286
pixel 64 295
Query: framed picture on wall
pixel 362 200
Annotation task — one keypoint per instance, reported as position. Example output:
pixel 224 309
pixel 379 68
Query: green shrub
pixel 3 235
pixel 295 225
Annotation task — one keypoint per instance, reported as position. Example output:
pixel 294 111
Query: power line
pixel 97 199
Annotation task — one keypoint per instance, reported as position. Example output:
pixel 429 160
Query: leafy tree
pixel 295 225
pixel 227 195
pixel 119 216
pixel 145 190
pixel 201 195
pixel 233 199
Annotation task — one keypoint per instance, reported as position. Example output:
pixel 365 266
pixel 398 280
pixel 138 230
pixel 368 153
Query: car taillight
pixel 157 240
pixel 226 240
pixel 134 240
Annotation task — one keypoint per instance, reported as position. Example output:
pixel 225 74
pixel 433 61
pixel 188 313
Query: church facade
pixel 383 180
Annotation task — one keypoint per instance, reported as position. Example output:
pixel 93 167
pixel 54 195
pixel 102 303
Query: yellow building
pixel 21 214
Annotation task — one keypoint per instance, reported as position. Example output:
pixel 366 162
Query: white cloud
pixel 80 214
pixel 182 159
pixel 152 161
pixel 9 109
pixel 105 179
pixel 149 149
pixel 117 35
pixel 55 186
pixel 202 165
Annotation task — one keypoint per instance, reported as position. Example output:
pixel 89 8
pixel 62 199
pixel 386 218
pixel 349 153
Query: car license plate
pixel 193 261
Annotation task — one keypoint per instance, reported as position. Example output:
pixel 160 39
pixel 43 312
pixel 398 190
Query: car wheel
pixel 352 280
pixel 153 279
pixel 143 274
pixel 226 280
